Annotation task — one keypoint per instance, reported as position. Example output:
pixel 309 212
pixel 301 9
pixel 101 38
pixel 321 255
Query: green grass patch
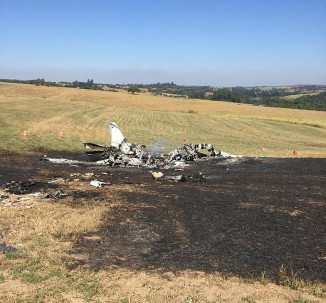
pixel 13 256
pixel 89 289
pixel 46 279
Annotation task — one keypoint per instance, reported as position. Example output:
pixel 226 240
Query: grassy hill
pixel 84 115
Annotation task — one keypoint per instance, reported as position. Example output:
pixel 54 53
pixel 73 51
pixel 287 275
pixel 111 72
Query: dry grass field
pixel 84 115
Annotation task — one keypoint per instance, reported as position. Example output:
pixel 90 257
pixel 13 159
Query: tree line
pixel 272 97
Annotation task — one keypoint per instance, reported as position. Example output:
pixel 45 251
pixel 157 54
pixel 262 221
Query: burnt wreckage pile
pixel 123 153
pixel 134 155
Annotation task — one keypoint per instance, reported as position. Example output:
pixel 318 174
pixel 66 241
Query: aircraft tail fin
pixel 116 135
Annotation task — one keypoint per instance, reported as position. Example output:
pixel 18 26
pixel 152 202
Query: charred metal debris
pixel 122 153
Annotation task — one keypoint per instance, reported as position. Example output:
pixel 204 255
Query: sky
pixel 203 42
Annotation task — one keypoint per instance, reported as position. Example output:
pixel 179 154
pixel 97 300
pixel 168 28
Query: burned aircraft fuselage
pixel 123 153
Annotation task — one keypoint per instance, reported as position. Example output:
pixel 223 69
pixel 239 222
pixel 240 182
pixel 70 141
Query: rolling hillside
pixel 83 115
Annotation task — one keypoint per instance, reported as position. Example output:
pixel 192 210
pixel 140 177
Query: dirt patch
pixel 13 288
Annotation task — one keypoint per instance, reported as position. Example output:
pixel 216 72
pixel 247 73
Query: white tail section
pixel 116 135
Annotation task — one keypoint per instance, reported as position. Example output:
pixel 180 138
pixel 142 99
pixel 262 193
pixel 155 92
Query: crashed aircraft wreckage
pixel 123 153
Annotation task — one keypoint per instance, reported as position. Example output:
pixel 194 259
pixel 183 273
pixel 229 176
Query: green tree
pixel 133 89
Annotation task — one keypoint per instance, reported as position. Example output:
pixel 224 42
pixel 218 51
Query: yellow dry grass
pixel 83 115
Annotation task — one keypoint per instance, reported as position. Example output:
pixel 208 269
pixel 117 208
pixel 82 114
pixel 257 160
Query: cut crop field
pixel 84 115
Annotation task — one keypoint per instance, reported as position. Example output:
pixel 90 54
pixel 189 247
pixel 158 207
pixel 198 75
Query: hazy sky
pixel 204 42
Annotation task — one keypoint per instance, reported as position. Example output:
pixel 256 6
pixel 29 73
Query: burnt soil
pixel 247 216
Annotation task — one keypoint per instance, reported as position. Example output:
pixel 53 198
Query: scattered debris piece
pixel 179 178
pixel 157 175
pixel 59 194
pixel 24 198
pixel 57 181
pixel 19 188
pixel 12 250
pixel 65 161
pixel 180 164
pixel 75 175
pixel 198 177
pixel 226 155
pixel 8 199
pixel 97 183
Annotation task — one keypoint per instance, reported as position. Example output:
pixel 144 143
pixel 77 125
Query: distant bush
pixel 191 111
pixel 133 89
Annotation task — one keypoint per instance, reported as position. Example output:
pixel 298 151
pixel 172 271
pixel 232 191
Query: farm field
pixel 248 229
pixel 84 115
pixel 293 97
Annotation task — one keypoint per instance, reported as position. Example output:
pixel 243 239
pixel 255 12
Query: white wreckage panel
pixel 123 153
